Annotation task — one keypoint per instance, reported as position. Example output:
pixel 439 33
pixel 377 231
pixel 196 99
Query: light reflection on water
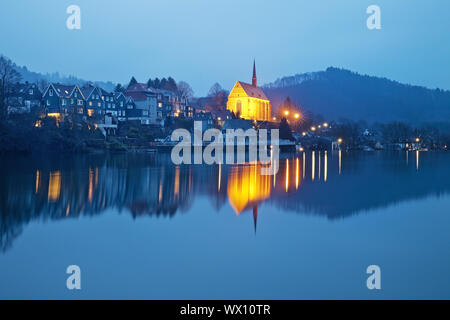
pixel 336 185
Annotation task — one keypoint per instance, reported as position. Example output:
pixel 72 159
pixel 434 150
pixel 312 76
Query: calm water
pixel 140 227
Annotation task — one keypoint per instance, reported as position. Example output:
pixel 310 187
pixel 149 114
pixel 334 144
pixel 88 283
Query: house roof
pixel 63 90
pixel 252 91
pixel 237 124
pixel 137 95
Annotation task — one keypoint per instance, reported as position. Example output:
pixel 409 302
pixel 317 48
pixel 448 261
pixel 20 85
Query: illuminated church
pixel 249 101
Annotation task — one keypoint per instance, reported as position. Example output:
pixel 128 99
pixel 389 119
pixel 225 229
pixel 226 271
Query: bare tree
pixel 8 77
pixel 184 90
pixel 215 90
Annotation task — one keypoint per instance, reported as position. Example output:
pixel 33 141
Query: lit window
pixel 90 112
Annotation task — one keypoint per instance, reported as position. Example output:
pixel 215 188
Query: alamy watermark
pixel 210 147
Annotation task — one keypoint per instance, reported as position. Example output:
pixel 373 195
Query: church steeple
pixel 254 80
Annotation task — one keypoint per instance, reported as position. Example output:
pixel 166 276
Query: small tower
pixel 254 80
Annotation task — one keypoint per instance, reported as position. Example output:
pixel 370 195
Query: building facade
pixel 248 101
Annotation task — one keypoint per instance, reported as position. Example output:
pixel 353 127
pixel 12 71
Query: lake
pixel 140 227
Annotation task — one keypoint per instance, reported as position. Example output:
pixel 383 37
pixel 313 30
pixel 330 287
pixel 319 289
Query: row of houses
pixel 138 102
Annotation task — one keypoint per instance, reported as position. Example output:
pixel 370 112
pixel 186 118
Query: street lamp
pixel 313 128
pixel 325 125
pixel 417 139
pixel 339 140
pixel 297 116
pixel 286 113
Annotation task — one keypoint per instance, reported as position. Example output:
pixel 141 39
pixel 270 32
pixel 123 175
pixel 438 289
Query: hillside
pixel 55 77
pixel 338 94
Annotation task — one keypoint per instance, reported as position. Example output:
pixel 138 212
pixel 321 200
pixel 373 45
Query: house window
pixel 48 102
pixel 90 112
pixel 30 91
pixel 50 92
pixel 130 106
pixel 80 110
pixel 80 102
pixel 71 101
pixel 90 103
pixel 63 102
pixel 76 95
pixel 99 104
pixel 121 103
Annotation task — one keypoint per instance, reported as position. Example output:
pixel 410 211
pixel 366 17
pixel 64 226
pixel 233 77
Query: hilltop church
pixel 249 101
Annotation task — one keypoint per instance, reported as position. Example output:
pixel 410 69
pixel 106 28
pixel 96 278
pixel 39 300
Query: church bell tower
pixel 254 80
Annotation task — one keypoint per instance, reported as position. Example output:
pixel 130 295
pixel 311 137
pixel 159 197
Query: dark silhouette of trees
pixel 285 130
pixel 8 78
pixel 133 81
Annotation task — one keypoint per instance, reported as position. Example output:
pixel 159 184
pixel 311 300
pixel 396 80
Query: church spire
pixel 254 81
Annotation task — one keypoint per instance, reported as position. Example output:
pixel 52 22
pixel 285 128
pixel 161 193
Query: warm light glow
pixel 325 169
pixel 297 173
pixel 176 187
pixel 297 116
pixel 38 181
pixel 247 187
pixel 218 118
pixel 417 139
pixel 90 112
pixel 325 125
pixel 313 128
pixel 286 113
pixel 287 175
pixel 303 133
pixel 339 140
pixel 417 160
pixel 274 118
pixel 54 186
pixel 38 124
pixel 313 165
pixel 340 161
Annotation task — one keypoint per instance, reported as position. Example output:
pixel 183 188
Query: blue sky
pixel 204 41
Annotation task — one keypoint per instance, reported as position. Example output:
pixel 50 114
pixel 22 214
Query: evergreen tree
pixel 133 81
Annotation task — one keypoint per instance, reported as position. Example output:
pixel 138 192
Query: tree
pixel 133 81
pixel 184 90
pixel 119 88
pixel 285 130
pixel 8 77
pixel 215 89
pixel 171 85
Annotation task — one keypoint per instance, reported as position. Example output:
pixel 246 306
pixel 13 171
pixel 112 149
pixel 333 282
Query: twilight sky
pixel 204 41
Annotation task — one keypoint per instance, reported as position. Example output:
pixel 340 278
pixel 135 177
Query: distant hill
pixel 343 94
pixel 55 77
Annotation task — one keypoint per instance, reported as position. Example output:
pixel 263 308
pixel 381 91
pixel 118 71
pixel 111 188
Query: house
pixel 206 119
pixel 24 97
pixel 56 98
pixel 109 103
pixel 94 104
pixel 121 104
pixel 145 101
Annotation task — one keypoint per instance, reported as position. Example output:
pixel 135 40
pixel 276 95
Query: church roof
pixel 252 91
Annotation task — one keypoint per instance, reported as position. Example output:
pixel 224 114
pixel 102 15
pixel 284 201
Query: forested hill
pixel 342 94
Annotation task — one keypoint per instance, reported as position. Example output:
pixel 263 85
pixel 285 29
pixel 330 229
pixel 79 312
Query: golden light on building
pixel 249 101
pixel 54 186
pixel 247 187
pixel 286 113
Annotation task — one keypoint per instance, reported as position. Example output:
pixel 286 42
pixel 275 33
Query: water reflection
pixel 150 185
